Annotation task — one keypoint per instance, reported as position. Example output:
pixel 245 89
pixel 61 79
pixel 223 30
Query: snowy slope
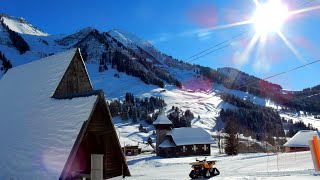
pixel 208 109
pixel 198 94
pixel 306 119
pixel 19 25
pixel 242 167
pixel 132 41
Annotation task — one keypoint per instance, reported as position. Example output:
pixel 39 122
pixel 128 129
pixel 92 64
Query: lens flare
pixel 270 17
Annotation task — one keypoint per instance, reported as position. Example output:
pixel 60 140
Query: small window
pixel 184 149
pixel 195 148
pixel 205 147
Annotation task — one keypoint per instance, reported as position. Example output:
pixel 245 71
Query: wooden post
pixel 315 152
pixel 311 146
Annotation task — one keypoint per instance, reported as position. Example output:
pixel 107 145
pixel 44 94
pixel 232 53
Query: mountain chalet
pixel 54 125
pixel 183 141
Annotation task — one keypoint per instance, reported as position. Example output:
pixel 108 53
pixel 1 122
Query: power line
pixel 232 40
pixel 308 2
pixel 234 37
pixel 207 52
pixel 229 44
pixel 269 77
pixel 122 89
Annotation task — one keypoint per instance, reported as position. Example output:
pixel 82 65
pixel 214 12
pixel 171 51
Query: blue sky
pixel 176 28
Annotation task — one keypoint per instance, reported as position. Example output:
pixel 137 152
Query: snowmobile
pixel 203 168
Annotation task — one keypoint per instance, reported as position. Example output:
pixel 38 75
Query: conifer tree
pixel 232 141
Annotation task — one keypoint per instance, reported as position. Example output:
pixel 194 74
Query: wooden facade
pixel 161 132
pixel 187 150
pixel 131 150
pixel 183 150
pixel 75 80
pixel 97 135
pixel 296 149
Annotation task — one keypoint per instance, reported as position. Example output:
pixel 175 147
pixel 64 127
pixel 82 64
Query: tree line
pixel 124 64
pixel 6 64
pixel 235 79
pixel 153 75
pixel 136 108
pixel 17 41
pixel 180 118
pixel 293 127
pixel 252 120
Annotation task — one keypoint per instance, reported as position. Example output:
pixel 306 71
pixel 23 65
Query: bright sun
pixel 270 17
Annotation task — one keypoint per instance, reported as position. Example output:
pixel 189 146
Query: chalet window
pixel 205 147
pixel 184 149
pixel 195 148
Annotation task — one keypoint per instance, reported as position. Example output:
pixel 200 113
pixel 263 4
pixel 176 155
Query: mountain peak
pixel 129 37
pixel 20 25
pixel 87 29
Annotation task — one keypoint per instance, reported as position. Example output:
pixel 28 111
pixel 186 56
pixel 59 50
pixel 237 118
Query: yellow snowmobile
pixel 203 168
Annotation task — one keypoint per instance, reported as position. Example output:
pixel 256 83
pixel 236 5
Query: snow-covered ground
pixel 306 119
pixel 244 166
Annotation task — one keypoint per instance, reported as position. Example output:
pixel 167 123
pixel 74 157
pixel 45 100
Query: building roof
pixel 37 132
pixel 190 136
pixel 301 138
pixel 162 120
pixel 167 144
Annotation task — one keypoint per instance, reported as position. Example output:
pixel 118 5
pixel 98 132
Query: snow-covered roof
pixel 145 147
pixel 162 119
pixel 188 136
pixel 37 132
pixel 301 138
pixel 167 144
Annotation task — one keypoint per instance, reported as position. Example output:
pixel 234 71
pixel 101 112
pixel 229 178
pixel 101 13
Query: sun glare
pixel 269 17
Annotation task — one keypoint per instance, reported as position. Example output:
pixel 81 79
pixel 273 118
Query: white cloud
pixel 204 35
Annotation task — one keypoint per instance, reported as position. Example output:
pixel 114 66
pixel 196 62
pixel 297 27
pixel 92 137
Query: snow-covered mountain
pixel 133 42
pixel 20 25
pixel 120 62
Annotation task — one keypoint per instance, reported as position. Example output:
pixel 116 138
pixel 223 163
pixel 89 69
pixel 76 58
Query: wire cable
pixel 269 77
pixel 232 40
pixel 200 55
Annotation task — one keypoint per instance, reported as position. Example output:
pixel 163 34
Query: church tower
pixel 163 125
